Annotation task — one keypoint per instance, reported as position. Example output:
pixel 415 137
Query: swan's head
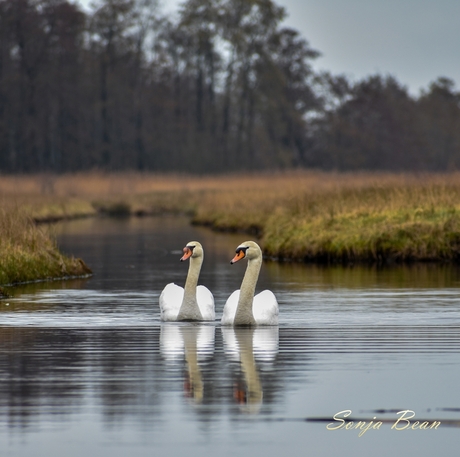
pixel 249 250
pixel 193 249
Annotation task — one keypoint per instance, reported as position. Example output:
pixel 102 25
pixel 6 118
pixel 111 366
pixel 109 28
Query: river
pixel 87 368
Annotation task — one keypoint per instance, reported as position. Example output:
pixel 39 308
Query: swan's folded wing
pixel 228 315
pixel 265 308
pixel 170 302
pixel 205 301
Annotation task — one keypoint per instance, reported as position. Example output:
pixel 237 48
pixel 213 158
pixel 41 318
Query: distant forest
pixel 220 86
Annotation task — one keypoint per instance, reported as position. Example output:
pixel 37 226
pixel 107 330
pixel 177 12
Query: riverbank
pixel 303 216
pixel 346 218
pixel 28 253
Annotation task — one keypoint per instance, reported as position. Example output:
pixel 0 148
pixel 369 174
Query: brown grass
pixel 116 185
pixel 297 214
pixel 28 253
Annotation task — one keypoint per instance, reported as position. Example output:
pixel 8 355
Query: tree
pixel 63 91
pixel 225 86
pixel 372 128
pixel 439 125
pixel 112 45
pixel 286 87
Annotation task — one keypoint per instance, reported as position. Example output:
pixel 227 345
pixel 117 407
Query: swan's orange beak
pixel 187 253
pixel 239 255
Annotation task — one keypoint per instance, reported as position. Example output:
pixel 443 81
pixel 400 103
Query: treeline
pixel 377 125
pixel 220 86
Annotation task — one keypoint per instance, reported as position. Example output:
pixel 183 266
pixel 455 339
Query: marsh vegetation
pixel 28 252
pixel 305 216
pixel 219 87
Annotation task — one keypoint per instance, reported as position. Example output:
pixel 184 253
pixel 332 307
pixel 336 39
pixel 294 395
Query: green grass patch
pixel 402 235
pixel 51 209
pixel 27 253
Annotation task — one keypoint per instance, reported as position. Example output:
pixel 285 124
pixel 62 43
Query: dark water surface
pixel 87 369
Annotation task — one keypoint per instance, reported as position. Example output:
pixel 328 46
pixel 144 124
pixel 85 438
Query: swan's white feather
pixel 228 315
pixel 205 301
pixel 264 308
pixel 170 302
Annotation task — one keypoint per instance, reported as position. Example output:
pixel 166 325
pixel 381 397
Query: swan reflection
pixel 195 344
pixel 250 347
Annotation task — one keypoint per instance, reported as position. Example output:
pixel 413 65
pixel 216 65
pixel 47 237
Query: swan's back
pixel 205 301
pixel 264 308
pixel 170 302
pixel 228 315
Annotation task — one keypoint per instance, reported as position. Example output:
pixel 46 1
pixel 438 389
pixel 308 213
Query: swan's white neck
pixel 244 314
pixel 189 310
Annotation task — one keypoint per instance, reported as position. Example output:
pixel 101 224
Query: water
pixel 87 368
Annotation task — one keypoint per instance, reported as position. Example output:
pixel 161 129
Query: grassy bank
pixel 27 253
pixel 346 218
pixel 296 215
pixel 415 223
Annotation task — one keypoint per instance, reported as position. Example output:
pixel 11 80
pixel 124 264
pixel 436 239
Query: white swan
pixel 242 307
pixel 192 303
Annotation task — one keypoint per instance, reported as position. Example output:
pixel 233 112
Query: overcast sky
pixel 414 40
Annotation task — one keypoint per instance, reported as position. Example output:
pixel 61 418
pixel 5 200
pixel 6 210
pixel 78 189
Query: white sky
pixel 414 40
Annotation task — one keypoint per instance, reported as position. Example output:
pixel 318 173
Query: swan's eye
pixel 190 247
pixel 244 249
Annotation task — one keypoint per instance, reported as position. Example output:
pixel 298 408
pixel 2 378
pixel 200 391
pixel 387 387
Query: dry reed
pixel 296 215
pixel 27 253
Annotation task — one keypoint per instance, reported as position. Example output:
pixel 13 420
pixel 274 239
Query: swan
pixel 242 307
pixel 191 303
